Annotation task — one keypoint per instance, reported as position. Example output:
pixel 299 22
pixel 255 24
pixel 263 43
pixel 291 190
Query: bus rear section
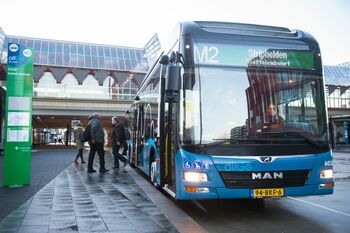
pixel 227 177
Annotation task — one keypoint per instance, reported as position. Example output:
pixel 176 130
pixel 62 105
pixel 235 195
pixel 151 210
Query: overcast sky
pixel 133 22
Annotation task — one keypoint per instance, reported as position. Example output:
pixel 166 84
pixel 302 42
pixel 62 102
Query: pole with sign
pixel 18 126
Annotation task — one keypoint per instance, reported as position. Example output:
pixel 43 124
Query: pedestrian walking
pixel 78 139
pixel 96 143
pixel 60 139
pixel 118 140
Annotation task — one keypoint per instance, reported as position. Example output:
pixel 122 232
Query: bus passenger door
pixel 169 102
pixel 139 134
pixel 171 145
pixel 171 97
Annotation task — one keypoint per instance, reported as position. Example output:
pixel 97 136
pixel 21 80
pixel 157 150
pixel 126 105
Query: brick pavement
pixel 79 202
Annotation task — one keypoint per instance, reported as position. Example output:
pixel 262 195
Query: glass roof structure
pixel 2 39
pixel 336 75
pixel 83 55
pixel 345 64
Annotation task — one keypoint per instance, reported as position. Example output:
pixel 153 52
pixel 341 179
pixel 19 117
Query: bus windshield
pixel 252 104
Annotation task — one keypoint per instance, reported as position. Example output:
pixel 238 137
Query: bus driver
pixel 273 119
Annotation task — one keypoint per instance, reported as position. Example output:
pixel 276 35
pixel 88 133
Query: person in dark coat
pixel 96 143
pixel 118 140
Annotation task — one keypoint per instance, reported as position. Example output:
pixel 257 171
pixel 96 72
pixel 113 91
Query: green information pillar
pixel 18 118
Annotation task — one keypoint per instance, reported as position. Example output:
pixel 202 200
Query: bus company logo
pixel 13 48
pixel 266 159
pixel 27 52
pixel 238 167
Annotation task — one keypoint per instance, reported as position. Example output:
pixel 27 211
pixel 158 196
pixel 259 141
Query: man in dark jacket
pixel 118 140
pixel 96 143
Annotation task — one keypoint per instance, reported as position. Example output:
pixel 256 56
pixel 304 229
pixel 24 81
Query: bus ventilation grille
pixel 264 179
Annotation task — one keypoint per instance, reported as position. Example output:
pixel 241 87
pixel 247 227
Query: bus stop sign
pixel 18 116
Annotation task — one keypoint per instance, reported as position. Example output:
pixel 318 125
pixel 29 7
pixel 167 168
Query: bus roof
pixel 260 32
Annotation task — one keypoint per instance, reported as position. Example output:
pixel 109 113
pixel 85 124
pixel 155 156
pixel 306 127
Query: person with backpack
pixel 118 140
pixel 95 136
pixel 78 136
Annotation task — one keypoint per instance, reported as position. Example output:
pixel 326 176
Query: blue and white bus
pixel 202 125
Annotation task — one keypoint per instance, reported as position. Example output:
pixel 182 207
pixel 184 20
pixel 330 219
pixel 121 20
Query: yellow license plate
pixel 277 192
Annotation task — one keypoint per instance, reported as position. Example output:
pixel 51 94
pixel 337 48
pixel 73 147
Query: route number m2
pixel 206 54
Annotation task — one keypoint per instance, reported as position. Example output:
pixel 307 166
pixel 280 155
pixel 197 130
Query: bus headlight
pixel 195 176
pixel 326 174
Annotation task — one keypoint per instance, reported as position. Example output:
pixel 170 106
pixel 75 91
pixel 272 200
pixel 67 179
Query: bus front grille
pixel 265 179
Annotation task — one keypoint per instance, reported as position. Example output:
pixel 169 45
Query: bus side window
pixel 147 126
pixel 140 122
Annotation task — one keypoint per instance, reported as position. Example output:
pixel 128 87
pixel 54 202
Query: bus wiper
pixel 220 141
pixel 305 137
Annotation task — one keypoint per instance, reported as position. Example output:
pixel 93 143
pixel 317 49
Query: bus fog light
pixel 202 190
pixel 327 185
pixel 195 176
pixel 192 189
pixel 326 174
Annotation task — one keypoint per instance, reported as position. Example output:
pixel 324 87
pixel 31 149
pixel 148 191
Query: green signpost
pixel 18 126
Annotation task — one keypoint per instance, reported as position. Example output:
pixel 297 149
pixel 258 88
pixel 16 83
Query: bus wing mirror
pixel 164 60
pixel 172 84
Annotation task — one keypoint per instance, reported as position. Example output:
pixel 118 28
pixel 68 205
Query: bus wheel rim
pixel 153 172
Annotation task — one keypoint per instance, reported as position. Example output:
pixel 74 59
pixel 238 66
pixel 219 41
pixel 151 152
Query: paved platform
pixel 342 148
pixel 46 164
pixel 118 201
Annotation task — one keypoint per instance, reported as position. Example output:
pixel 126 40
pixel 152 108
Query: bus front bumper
pixel 197 193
